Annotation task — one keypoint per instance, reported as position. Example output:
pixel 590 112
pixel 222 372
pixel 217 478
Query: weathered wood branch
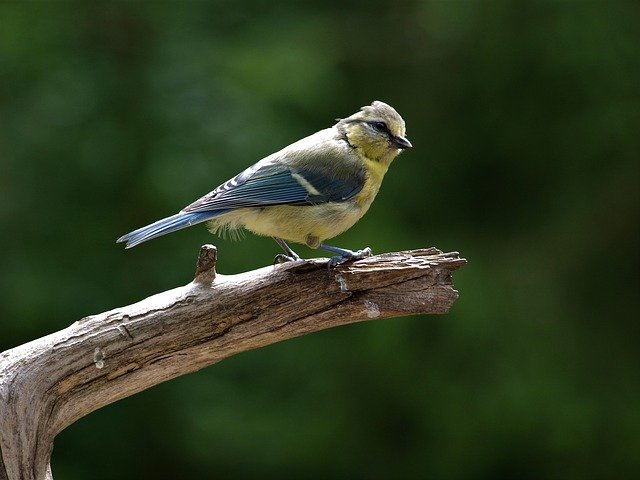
pixel 49 383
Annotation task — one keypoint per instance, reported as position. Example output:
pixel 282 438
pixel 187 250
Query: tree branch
pixel 49 383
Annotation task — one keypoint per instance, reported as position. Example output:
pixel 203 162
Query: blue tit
pixel 308 192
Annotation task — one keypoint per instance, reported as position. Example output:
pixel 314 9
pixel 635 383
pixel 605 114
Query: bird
pixel 308 192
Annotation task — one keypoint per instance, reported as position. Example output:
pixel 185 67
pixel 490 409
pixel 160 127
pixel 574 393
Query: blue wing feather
pixel 271 183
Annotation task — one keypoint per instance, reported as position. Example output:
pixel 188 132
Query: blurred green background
pixel 525 118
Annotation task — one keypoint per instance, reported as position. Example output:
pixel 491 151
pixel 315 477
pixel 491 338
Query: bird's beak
pixel 402 142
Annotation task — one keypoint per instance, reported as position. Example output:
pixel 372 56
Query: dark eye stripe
pixel 381 127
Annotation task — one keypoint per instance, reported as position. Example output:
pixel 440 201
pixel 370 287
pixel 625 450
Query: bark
pixel 49 383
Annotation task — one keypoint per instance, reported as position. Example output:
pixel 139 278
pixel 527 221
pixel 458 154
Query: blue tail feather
pixel 166 225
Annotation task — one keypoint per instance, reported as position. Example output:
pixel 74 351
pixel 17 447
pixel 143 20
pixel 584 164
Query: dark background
pixel 525 121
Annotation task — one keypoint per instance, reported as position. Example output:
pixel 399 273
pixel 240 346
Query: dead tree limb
pixel 51 382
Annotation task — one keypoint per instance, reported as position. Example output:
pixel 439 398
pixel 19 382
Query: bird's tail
pixel 166 225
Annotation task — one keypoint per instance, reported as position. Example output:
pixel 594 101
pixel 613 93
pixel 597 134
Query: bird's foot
pixel 348 256
pixel 290 256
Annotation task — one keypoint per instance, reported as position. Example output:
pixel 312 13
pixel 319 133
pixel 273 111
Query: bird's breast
pixel 375 174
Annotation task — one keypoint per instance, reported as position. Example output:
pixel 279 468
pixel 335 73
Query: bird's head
pixel 377 130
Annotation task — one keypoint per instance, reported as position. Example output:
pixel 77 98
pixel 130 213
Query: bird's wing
pixel 277 181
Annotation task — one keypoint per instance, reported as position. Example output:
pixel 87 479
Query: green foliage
pixel 524 120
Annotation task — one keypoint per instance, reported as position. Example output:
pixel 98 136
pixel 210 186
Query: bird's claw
pixel 282 258
pixel 352 256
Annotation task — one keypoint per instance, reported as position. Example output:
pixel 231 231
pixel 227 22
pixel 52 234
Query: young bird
pixel 310 191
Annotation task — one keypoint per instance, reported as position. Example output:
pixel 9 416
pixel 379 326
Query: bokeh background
pixel 525 118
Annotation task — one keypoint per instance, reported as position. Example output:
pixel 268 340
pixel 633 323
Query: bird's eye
pixel 380 126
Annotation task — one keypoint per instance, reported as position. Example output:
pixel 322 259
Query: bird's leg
pixel 344 255
pixel 291 256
